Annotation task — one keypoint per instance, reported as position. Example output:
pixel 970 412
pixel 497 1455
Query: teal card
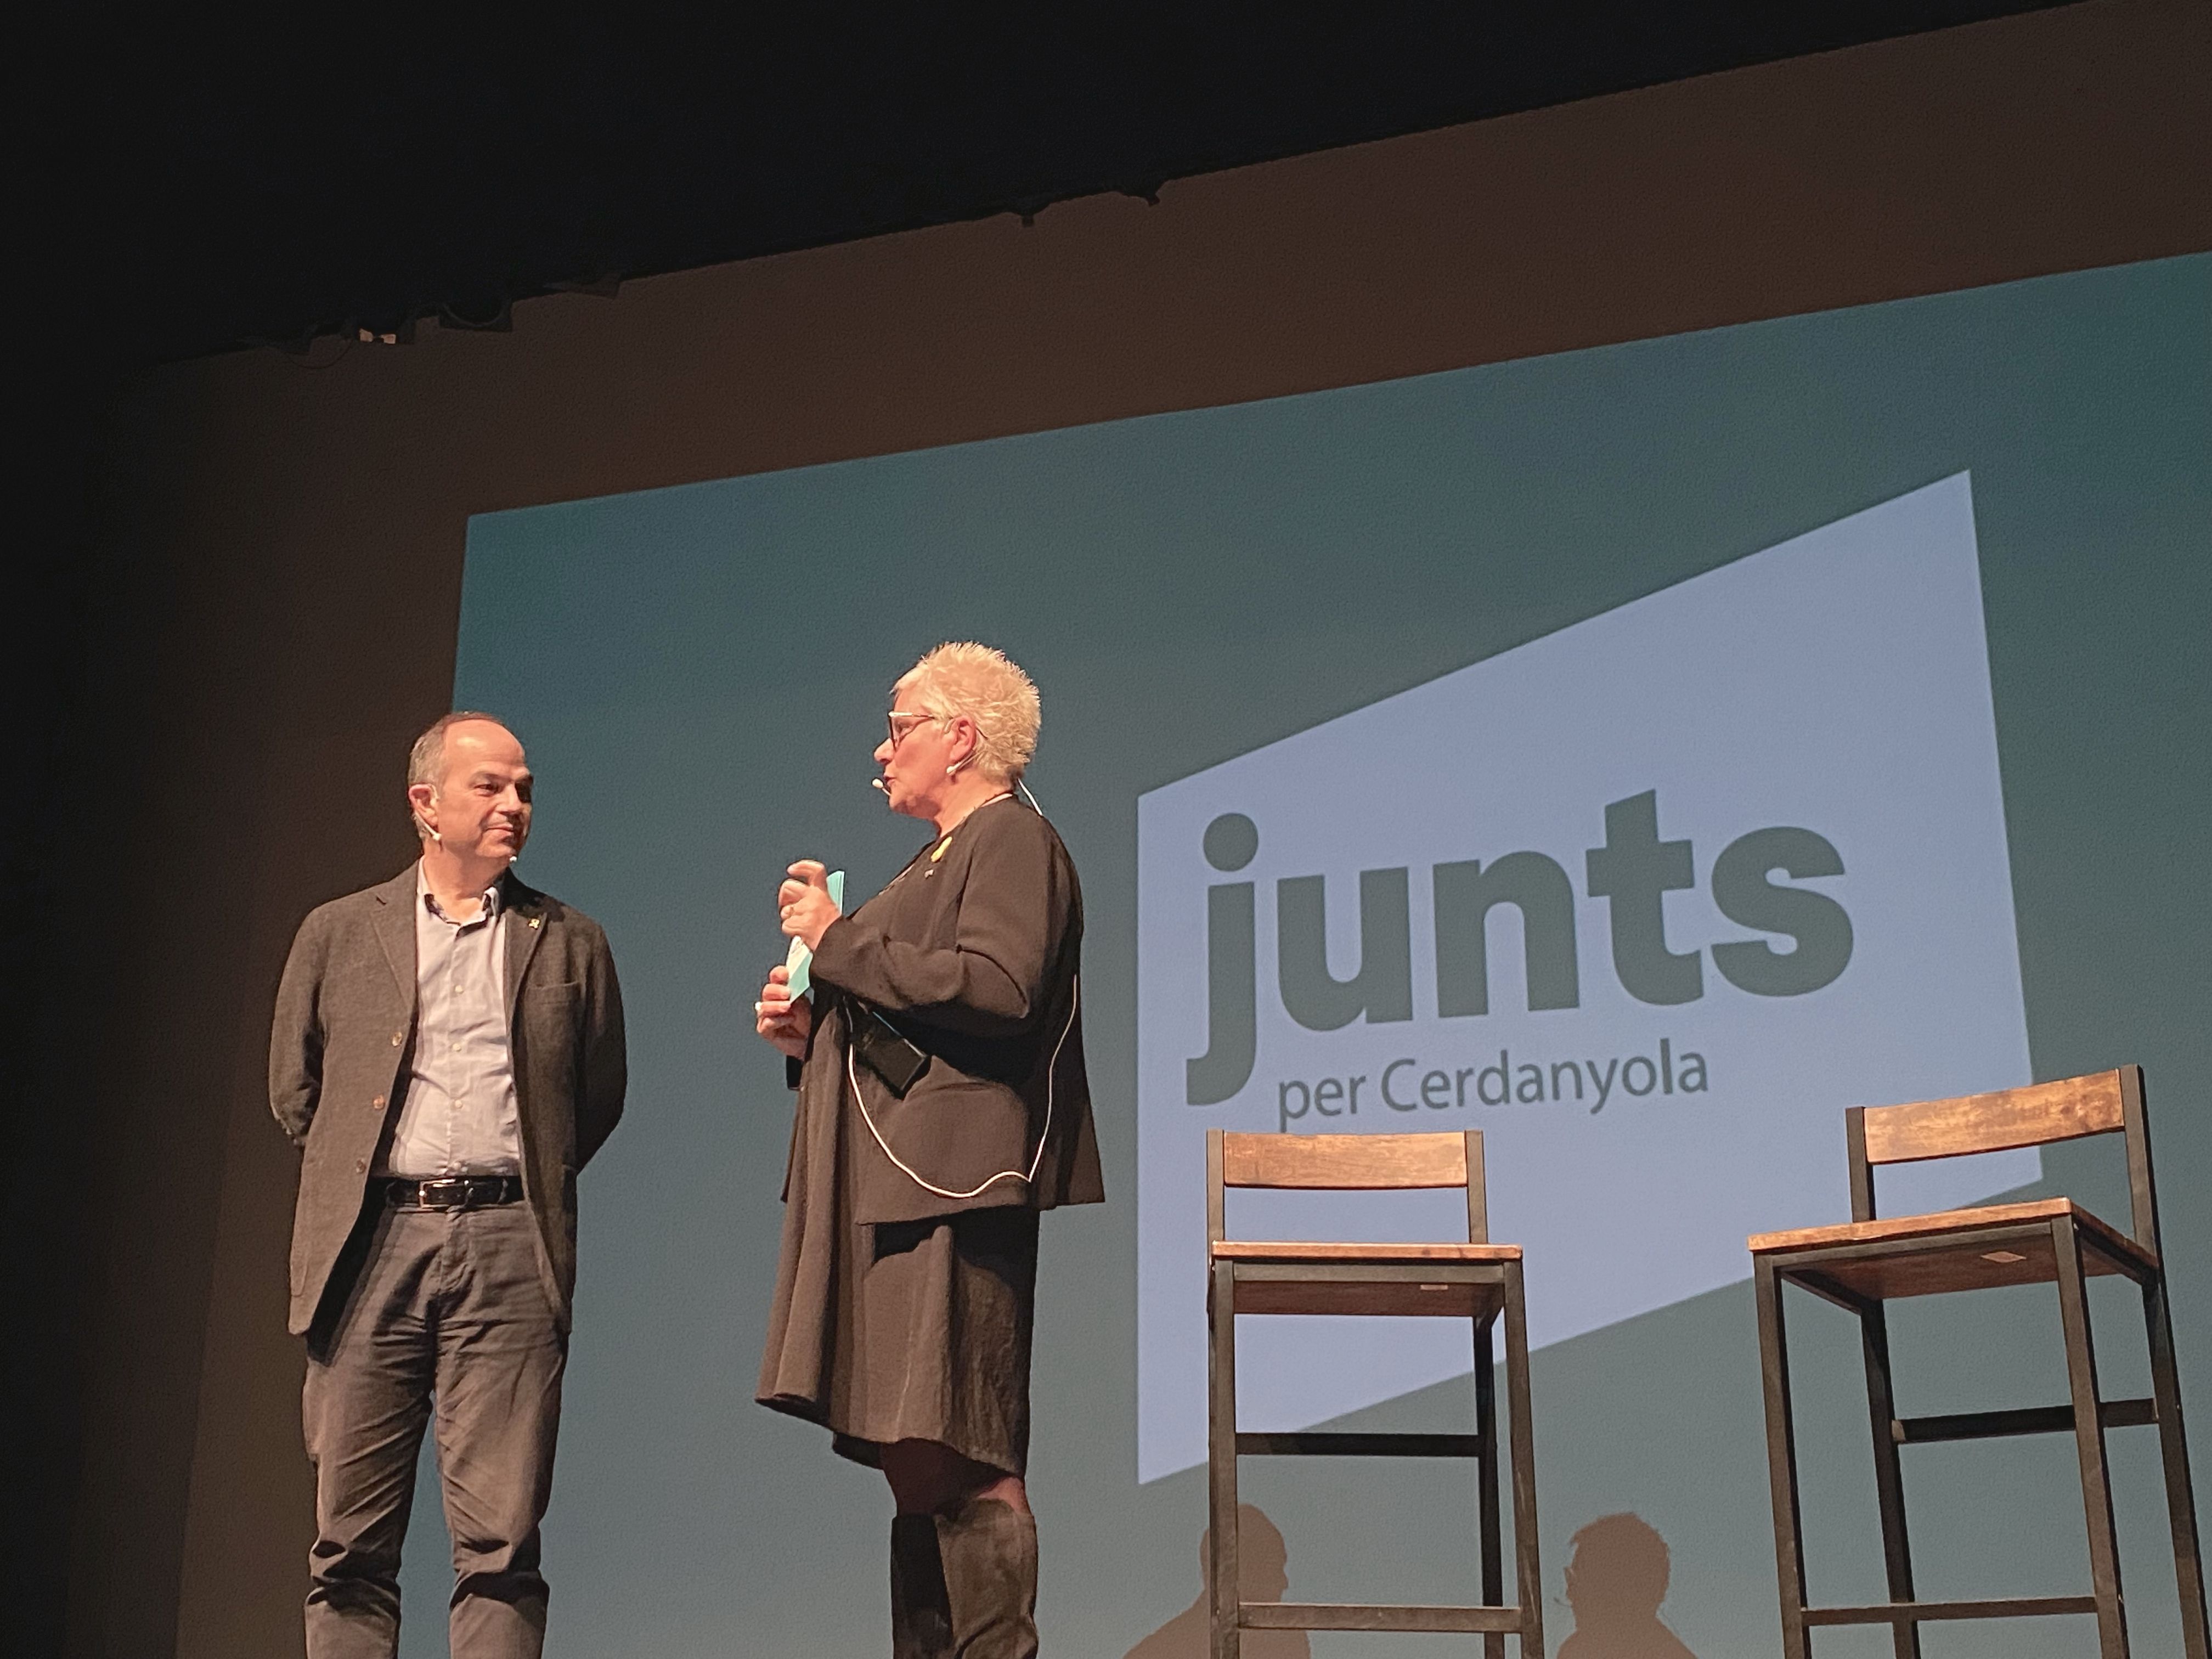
pixel 801 959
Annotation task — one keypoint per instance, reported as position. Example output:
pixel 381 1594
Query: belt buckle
pixel 448 1193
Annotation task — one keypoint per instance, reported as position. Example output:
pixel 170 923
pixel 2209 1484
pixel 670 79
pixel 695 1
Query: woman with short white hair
pixel 938 1054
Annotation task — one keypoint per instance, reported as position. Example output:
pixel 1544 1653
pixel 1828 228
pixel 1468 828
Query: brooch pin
pixel 536 922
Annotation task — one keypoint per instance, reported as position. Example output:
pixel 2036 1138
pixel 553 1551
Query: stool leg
pixel 1529 1574
pixel 1781 1459
pixel 2173 1451
pixel 1224 1585
pixel 2090 1441
pixel 1888 1470
pixel 1485 1478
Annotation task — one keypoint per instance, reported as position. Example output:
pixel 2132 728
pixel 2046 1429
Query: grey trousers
pixel 446 1318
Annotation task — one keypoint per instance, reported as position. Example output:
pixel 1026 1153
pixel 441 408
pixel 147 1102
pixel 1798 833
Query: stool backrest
pixel 2102 1104
pixel 1346 1163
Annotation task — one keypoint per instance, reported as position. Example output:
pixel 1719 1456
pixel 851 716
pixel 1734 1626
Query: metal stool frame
pixel 1476 1280
pixel 1861 1266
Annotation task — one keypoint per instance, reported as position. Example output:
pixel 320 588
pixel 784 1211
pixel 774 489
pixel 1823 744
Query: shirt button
pixel 398 1037
pixel 378 1103
pixel 360 1166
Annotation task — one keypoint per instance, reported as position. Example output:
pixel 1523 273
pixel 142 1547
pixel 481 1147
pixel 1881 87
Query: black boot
pixel 989 1553
pixel 921 1620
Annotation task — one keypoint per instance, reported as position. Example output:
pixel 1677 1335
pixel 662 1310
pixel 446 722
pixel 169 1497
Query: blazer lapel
pixel 395 930
pixel 526 926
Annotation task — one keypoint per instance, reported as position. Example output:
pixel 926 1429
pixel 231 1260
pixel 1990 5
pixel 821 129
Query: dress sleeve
pixel 1016 905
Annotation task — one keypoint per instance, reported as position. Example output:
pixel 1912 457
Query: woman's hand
pixel 784 1021
pixel 805 903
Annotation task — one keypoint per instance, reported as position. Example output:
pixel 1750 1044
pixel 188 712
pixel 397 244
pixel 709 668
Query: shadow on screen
pixel 1615 1583
pixel 1263 1567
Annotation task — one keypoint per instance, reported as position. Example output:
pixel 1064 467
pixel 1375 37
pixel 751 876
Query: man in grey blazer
pixel 447 1053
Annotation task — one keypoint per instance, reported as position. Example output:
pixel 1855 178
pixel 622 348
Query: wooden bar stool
pixel 1475 1280
pixel 1861 1266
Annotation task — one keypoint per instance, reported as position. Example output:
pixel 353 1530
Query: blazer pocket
pixel 554 1005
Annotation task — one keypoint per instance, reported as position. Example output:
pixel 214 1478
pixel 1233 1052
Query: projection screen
pixel 1639 755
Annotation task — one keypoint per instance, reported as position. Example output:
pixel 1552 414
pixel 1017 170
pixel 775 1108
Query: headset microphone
pixel 880 784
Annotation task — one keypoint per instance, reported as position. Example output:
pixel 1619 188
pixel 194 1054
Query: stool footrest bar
pixel 1359 1445
pixel 2033 1419
pixel 1323 1615
pixel 1914 1612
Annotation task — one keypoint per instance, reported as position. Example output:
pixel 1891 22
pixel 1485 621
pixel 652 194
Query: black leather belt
pixel 452 1193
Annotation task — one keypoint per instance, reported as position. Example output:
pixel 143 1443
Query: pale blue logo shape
pixel 1839 684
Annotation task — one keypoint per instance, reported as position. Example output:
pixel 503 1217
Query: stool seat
pixel 1398 1281
pixel 1947 1250
pixel 1244 1249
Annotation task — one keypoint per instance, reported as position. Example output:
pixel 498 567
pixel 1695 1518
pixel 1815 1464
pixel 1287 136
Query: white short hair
pixel 984 685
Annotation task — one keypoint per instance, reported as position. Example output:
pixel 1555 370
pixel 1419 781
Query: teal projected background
pixel 699 673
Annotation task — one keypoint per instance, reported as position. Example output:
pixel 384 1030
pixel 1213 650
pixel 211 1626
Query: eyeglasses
pixel 899 722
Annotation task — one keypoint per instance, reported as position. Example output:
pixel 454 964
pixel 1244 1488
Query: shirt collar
pixel 492 897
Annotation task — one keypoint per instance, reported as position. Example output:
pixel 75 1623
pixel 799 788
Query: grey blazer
pixel 345 1026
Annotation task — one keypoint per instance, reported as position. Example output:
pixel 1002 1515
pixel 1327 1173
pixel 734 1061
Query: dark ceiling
pixel 209 186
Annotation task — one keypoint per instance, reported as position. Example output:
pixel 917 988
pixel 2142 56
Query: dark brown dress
pixel 905 1288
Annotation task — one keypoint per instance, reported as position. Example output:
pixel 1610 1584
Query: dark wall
pixel 273 592
pixel 44 1220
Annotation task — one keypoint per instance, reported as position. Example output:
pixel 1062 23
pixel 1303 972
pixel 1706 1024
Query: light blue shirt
pixel 457 1113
